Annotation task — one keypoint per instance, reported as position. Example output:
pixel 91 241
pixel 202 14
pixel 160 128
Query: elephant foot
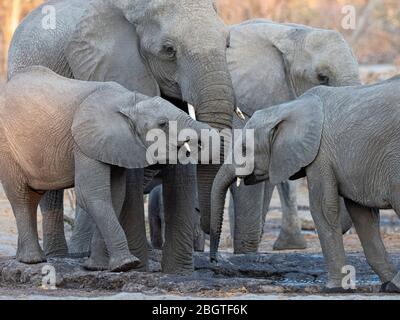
pixel 142 266
pixel 79 249
pixel 389 287
pixel 178 269
pixel 31 255
pixel 78 255
pixel 337 290
pixel 198 246
pixel 92 264
pixel 57 252
pixel 289 241
pixel 55 246
pixel 124 263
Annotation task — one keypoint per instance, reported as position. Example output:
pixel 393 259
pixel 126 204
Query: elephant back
pixel 33 44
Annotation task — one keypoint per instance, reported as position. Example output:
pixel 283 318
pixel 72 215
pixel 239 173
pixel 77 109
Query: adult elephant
pixel 176 49
pixel 272 63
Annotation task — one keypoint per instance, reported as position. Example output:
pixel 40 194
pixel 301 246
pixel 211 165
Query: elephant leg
pixel 99 257
pixel 155 221
pixel 366 222
pixel 324 207
pixel 179 192
pixel 24 203
pixel 82 234
pixel 199 235
pixel 290 236
pixel 80 243
pixel 248 205
pixel 132 217
pixel 393 286
pixel 93 184
pixel 231 214
pixel 345 218
pixel 52 209
pixel 268 191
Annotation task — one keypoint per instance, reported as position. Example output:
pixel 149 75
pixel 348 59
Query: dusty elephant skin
pixel 97 131
pixel 272 63
pixel 157 222
pixel 147 46
pixel 347 143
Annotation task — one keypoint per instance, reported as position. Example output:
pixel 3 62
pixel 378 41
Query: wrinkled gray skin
pixel 97 131
pixel 348 141
pixel 157 223
pixel 272 63
pixel 147 46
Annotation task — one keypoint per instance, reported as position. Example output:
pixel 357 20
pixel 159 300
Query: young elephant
pixel 273 63
pixel 347 142
pixel 97 131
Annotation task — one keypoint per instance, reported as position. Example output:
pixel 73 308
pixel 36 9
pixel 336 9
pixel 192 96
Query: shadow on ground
pixel 276 273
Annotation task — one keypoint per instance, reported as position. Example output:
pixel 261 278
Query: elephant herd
pixel 82 98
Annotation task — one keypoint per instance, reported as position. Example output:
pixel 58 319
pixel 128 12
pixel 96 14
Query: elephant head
pixel 269 60
pixel 112 126
pixel 176 49
pixel 286 140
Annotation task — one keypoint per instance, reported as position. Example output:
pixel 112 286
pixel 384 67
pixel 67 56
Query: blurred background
pixel 375 38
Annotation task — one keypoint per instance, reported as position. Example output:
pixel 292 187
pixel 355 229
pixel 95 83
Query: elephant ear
pixel 258 60
pixel 103 132
pixel 104 47
pixel 297 129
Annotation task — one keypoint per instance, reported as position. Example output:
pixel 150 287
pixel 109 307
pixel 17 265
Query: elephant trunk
pixel 206 173
pixel 213 97
pixel 185 122
pixel 225 177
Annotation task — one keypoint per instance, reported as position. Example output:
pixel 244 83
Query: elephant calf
pixel 157 221
pixel 57 133
pixel 347 142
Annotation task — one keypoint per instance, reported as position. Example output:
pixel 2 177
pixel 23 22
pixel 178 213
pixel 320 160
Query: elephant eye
pixel 323 79
pixel 169 51
pixel 163 123
pixel 228 41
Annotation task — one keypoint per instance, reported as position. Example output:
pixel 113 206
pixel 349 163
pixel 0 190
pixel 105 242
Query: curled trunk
pixel 225 177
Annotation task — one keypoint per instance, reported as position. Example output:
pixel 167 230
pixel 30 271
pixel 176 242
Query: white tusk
pixel 192 112
pixel 240 113
pixel 187 147
pixel 238 182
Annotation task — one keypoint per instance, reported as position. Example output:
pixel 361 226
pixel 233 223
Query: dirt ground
pixel 268 275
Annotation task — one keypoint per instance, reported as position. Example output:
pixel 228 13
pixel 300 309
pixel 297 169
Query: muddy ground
pixel 267 275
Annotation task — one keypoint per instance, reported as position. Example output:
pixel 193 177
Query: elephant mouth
pixel 185 145
pixel 255 179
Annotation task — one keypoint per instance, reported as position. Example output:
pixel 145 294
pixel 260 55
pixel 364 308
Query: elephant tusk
pixel 192 112
pixel 238 182
pixel 240 113
pixel 187 147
